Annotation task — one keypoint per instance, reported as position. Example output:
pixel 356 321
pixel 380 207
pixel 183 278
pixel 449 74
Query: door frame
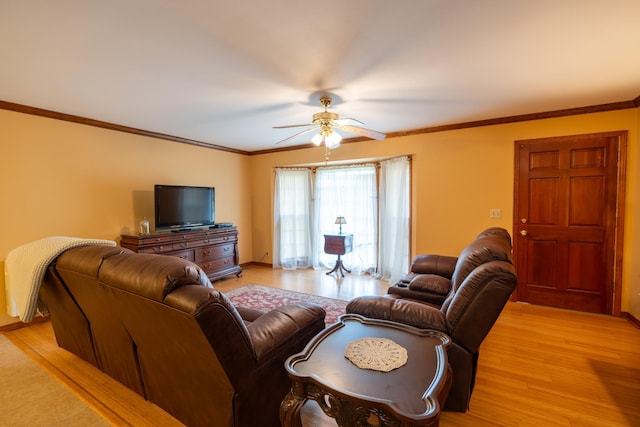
pixel 615 288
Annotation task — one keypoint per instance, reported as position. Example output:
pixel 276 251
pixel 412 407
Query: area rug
pixel 29 396
pixel 266 298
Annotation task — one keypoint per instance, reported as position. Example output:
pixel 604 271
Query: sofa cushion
pixel 430 283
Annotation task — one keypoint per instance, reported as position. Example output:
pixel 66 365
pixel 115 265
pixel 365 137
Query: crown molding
pixel 622 105
pixel 4 105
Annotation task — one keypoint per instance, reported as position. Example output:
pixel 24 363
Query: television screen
pixel 180 207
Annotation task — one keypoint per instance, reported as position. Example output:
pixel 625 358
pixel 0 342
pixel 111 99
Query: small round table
pixel 410 395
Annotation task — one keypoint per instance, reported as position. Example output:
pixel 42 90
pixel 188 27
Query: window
pixel 349 192
pixel 292 219
pixel 306 209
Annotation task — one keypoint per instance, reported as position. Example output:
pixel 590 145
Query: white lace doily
pixel 378 354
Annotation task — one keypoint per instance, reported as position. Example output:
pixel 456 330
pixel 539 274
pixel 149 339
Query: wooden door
pixel 569 206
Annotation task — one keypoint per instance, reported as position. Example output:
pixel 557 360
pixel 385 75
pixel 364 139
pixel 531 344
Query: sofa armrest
pixel 442 265
pixel 409 312
pixel 277 327
pixel 431 283
pixel 250 314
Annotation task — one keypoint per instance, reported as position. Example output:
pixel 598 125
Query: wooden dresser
pixel 215 250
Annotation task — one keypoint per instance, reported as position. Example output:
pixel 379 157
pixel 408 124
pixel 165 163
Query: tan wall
pixel 65 179
pixel 457 177
pixel 59 178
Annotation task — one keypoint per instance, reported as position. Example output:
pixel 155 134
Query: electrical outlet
pixel 495 213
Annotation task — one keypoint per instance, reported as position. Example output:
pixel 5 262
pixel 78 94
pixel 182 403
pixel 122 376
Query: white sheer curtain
pixel 349 192
pixel 393 256
pixel 293 239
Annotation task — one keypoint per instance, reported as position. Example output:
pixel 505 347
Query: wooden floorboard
pixel 539 366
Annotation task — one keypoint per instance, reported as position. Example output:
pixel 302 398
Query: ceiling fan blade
pixel 348 121
pixel 362 131
pixel 292 126
pixel 298 134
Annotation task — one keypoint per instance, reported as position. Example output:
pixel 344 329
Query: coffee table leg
pixel 290 410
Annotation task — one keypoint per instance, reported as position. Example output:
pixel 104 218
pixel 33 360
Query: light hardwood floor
pixel 539 366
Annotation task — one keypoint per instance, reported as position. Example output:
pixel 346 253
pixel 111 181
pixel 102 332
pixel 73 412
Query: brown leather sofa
pixel 481 283
pixel 156 324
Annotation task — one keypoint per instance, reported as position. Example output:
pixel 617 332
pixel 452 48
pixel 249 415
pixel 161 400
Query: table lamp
pixel 340 220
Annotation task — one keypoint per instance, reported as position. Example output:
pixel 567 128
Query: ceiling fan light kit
pixel 325 125
pixel 330 137
pixel 333 140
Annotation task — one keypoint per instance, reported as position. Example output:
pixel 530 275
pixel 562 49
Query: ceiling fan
pixel 325 125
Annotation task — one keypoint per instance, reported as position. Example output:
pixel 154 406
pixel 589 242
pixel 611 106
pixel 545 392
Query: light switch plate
pixel 495 213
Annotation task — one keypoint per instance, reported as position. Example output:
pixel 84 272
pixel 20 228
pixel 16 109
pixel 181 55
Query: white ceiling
pixel 226 72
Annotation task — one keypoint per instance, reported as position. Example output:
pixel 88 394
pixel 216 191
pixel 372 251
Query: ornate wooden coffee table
pixel 410 395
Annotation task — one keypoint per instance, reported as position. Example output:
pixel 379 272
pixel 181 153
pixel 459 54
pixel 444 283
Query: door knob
pixel 523 232
pixel 523 220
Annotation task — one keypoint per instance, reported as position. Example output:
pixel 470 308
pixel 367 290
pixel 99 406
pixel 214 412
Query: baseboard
pixel 20 325
pixel 261 264
pixel 635 322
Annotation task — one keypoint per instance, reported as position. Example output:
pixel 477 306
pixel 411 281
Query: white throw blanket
pixel 25 267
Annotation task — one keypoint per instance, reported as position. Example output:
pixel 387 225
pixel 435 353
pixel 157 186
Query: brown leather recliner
pixel 481 283
pixel 430 276
pixel 156 324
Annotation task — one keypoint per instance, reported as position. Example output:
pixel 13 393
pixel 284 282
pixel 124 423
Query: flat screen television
pixel 179 207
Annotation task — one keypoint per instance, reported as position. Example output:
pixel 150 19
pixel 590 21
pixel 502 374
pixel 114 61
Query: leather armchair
pixel 430 276
pixel 175 339
pixel 482 282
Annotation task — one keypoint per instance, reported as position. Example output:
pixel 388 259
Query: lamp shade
pixel 333 140
pixel 340 220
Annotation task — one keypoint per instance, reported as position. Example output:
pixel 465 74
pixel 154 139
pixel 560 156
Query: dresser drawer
pixel 182 245
pixel 213 252
pixel 188 255
pixel 222 239
pixel 217 264
pixel 158 249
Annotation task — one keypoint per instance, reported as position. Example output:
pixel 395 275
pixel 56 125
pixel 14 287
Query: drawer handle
pixel 184 256
pixel 226 261
pixel 227 249
pixel 158 248
pixel 184 245
pixel 206 252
